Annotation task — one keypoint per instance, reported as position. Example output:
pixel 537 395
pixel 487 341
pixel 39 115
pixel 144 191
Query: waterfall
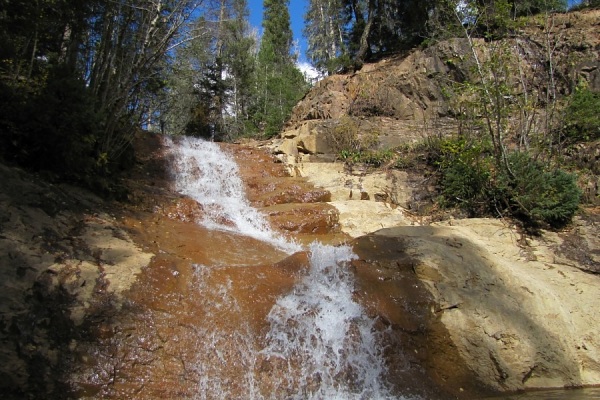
pixel 319 343
pixel 202 171
pixel 328 344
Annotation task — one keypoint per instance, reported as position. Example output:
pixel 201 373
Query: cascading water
pixel 318 343
pixel 328 345
pixel 209 176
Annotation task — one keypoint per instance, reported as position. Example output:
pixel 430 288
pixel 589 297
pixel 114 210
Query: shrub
pixel 347 138
pixel 537 194
pixel 526 189
pixel 466 171
pixel 582 119
pixel 64 128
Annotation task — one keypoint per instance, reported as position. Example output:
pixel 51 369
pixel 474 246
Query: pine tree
pixel 239 54
pixel 277 36
pixel 211 77
pixel 278 83
pixel 344 32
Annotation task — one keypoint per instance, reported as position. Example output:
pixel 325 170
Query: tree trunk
pixel 364 49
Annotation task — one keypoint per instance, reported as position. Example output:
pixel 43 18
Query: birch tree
pixel 325 31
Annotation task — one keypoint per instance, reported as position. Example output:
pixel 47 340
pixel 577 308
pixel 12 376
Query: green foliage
pixel 466 171
pixel 373 158
pixel 57 130
pixel 279 88
pixel 324 24
pixel 341 33
pixel 277 37
pixel 278 83
pixel 526 189
pixel 582 119
pixel 539 194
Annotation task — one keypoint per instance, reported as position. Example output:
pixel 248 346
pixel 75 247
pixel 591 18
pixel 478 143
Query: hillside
pixel 409 100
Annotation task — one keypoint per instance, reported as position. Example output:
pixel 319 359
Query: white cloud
pixel 309 72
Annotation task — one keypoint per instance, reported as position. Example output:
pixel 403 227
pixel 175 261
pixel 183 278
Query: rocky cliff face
pixel 406 98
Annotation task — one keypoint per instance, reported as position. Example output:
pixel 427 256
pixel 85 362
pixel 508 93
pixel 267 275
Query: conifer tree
pixel 344 32
pixel 211 75
pixel 278 82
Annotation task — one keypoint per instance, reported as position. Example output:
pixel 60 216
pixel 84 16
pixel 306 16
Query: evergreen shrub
pixel 466 171
pixel 582 119
pixel 522 186
pixel 539 194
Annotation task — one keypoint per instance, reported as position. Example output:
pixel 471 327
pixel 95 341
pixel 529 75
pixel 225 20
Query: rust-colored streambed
pixel 199 321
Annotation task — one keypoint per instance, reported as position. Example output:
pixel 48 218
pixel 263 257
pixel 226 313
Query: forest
pixel 79 78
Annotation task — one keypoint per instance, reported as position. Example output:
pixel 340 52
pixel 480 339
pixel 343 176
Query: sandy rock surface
pixel 58 254
pixel 366 202
pixel 520 319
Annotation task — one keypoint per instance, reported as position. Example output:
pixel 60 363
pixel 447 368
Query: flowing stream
pixel 316 340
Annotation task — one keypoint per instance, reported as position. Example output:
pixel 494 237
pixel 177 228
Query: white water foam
pixel 328 343
pixel 320 344
pixel 205 173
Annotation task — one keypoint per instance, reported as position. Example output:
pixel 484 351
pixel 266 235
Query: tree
pixel 110 57
pixel 238 55
pixel 129 40
pixel 278 83
pixel 325 29
pixel 211 75
pixel 353 31
pixel 276 42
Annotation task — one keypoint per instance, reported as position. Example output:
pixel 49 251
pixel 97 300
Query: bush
pixel 539 195
pixel 467 186
pixel 466 170
pixel 64 129
pixel 55 127
pixel 526 190
pixel 582 120
pixel 373 158
pixel 347 139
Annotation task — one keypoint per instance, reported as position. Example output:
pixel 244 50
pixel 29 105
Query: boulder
pixel 518 319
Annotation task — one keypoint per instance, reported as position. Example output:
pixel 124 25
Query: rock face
pixel 519 311
pixel 518 318
pixel 59 261
pixel 404 99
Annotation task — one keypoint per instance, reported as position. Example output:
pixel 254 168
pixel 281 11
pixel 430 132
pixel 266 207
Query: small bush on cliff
pixel 538 194
pixel 373 158
pixel 347 139
pixel 582 118
pixel 466 171
pixel 524 188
